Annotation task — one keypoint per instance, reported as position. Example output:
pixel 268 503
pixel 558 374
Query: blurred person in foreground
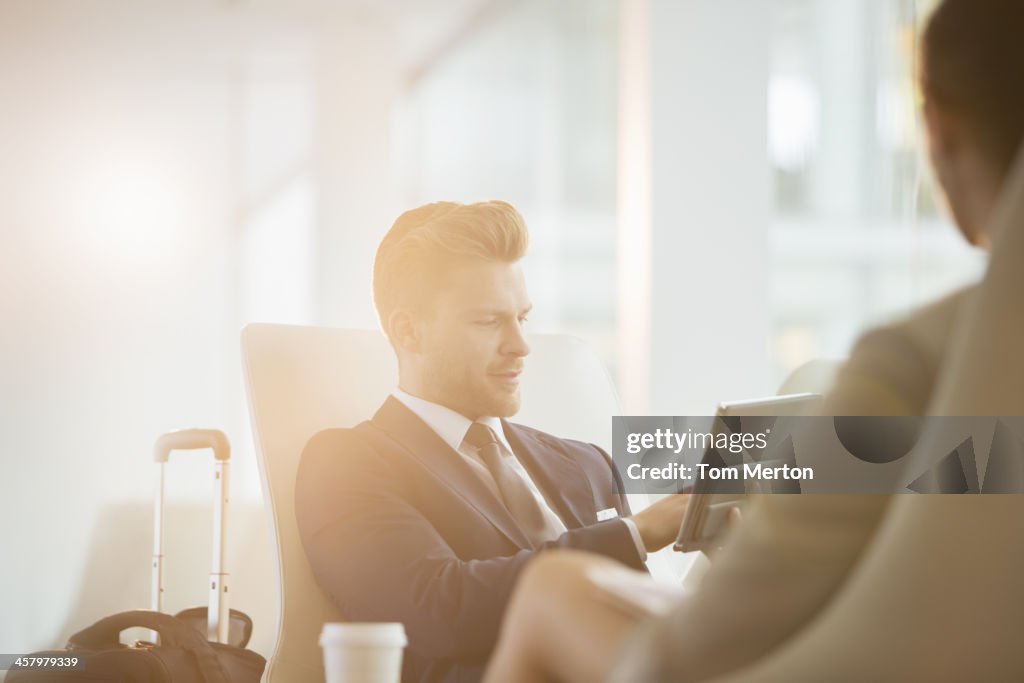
pixel 840 587
pixel 427 513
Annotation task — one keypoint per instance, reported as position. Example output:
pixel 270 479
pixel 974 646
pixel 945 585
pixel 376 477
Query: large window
pixel 858 232
pixel 523 107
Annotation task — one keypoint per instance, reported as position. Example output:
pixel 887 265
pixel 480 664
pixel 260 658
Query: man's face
pixel 470 342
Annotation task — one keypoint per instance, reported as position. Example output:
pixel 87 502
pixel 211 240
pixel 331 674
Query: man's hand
pixel 659 524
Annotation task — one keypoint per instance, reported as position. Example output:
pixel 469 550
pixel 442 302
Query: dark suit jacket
pixel 398 527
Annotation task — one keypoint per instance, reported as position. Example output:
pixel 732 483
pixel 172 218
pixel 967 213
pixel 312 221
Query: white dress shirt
pixel 452 427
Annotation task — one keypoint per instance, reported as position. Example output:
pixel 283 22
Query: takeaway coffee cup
pixel 356 652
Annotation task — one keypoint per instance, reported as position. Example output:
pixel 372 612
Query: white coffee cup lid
pixel 376 634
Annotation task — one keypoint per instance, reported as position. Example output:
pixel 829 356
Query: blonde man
pixel 427 513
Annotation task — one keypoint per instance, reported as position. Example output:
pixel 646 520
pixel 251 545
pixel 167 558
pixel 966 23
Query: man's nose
pixel 515 340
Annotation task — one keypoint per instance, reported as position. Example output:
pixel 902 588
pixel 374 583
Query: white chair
pixel 304 379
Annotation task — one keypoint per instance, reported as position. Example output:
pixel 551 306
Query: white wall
pixel 711 203
pixel 694 245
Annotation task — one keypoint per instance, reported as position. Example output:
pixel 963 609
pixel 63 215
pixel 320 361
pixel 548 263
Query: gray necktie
pixel 538 526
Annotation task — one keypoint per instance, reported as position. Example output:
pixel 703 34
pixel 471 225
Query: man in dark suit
pixel 427 513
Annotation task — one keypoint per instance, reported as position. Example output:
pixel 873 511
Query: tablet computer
pixel 712 500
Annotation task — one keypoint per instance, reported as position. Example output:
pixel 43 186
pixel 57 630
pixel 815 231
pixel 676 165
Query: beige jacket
pixel 792 553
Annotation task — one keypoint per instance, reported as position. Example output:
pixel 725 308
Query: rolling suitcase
pixel 201 644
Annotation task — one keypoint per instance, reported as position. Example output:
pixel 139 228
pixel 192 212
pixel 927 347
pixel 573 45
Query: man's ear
pixel 403 330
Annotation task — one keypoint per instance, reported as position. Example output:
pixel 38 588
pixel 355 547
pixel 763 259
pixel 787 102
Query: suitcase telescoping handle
pixel 190 440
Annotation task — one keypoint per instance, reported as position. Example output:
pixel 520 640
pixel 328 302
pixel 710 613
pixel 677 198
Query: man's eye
pixel 523 319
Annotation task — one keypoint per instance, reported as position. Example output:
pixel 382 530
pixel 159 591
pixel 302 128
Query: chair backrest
pixel 304 379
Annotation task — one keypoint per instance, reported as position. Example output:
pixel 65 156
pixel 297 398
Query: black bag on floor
pixel 183 656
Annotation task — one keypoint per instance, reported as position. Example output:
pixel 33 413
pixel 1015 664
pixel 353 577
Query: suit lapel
pixel 423 444
pixel 559 476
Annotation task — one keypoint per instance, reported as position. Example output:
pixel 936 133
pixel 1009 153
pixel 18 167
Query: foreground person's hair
pixel 973 65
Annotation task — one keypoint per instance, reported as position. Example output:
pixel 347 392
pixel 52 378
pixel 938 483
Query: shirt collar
pixel 447 423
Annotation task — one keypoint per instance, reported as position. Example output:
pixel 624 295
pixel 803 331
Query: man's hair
pixel 973 54
pixel 423 243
